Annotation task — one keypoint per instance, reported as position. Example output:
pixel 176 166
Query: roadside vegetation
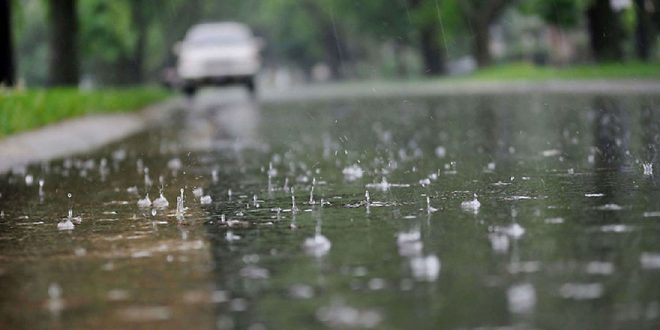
pixel 528 71
pixel 21 110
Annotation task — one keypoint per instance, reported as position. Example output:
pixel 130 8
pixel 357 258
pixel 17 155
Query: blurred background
pixel 94 43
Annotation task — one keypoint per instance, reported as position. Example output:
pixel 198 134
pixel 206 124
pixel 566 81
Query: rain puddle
pixel 454 212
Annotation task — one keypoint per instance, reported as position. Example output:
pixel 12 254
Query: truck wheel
pixel 190 90
pixel 250 85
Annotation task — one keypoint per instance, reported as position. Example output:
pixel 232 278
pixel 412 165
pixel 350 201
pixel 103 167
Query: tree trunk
pixel 139 16
pixel 333 46
pixel 605 32
pixel 7 72
pixel 644 31
pixel 482 44
pixel 64 66
pixel 432 51
pixel 399 60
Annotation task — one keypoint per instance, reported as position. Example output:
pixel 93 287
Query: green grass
pixel 24 110
pixel 526 71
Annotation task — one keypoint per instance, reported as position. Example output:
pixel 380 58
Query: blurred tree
pixel 64 65
pixel 560 13
pixel 6 47
pixel 331 35
pixel 383 24
pixel 605 31
pixel 428 20
pixel 480 15
pixel 645 29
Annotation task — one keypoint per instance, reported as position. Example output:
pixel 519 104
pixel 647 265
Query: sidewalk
pixel 78 135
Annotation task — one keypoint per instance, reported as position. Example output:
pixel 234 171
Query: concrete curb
pixel 79 135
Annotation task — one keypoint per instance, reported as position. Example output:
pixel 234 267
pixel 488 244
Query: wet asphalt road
pixel 565 234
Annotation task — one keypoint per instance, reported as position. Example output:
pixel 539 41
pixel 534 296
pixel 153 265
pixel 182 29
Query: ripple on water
pixel 145 313
pixel 317 246
pixel 650 260
pixel 581 291
pixel 521 298
pixel 425 269
pixel 340 315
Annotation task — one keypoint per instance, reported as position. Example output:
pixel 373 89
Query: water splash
pixel 311 192
pixel 161 202
pixel 41 189
pixel 471 206
pixel 353 172
pixel 384 185
pixel 294 208
pixel 318 245
pixel 68 222
pixel 179 205
pixel 272 172
pixel 429 208
pixel 144 202
pixel 648 168
pixel 205 200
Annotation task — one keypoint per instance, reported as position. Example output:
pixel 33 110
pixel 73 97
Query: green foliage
pixel 24 110
pixel 562 13
pixel 526 71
